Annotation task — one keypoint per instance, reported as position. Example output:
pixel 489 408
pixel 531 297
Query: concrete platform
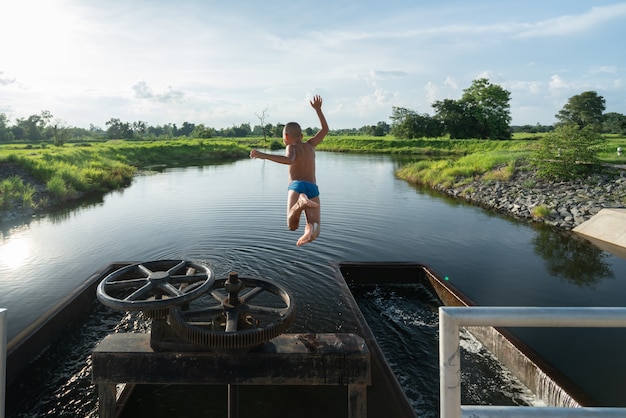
pixel 608 225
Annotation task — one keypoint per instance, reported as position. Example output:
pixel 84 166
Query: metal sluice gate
pixel 218 332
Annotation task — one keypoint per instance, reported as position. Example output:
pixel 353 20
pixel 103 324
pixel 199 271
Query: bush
pixel 13 190
pixel 58 189
pixel 540 211
pixel 567 152
pixel 275 145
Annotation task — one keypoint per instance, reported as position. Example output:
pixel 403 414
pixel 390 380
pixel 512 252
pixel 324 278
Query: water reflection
pixel 571 257
pixel 65 211
pixel 15 250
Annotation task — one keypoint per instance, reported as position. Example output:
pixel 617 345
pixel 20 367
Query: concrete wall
pixel 608 225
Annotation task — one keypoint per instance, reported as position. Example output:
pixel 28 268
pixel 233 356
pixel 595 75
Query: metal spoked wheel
pixel 155 286
pixel 236 314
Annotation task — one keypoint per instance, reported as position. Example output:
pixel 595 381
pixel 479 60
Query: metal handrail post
pixel 451 319
pixel 449 366
pixel 3 357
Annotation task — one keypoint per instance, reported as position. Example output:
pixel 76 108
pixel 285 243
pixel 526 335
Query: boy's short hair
pixel 292 128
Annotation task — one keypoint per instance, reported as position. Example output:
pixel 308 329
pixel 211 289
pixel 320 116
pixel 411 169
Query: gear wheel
pixel 155 286
pixel 226 320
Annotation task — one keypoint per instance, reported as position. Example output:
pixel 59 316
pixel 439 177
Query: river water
pixel 233 217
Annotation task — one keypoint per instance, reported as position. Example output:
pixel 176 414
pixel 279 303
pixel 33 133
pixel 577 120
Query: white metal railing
pixel 3 357
pixel 451 319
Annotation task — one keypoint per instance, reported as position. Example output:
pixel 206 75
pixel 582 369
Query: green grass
pixel 607 152
pixel 14 192
pixel 540 211
pixel 98 167
pixel 439 147
pixel 490 165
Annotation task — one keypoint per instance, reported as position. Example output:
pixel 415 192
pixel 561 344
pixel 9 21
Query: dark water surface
pixel 233 217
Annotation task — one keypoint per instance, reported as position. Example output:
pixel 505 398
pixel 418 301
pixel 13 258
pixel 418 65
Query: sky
pixel 223 63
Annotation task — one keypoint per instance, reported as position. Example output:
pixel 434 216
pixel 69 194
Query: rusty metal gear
pixel 155 286
pixel 236 314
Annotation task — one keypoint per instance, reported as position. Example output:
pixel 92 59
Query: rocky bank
pixel 570 203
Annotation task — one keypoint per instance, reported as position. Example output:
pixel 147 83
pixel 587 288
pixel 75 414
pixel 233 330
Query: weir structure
pixel 233 337
pixel 384 396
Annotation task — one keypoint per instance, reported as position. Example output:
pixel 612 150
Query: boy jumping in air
pixel 303 194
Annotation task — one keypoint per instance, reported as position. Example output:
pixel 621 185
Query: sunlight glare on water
pixel 15 252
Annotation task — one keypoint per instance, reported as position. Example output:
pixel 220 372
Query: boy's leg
pixel 292 221
pixel 313 218
pixel 296 204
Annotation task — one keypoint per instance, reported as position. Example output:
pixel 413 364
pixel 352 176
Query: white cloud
pixel 143 91
pixel 5 80
pixel 451 82
pixel 432 92
pixel 607 69
pixel 557 83
pixel 384 75
pixel 526 87
pixel 569 24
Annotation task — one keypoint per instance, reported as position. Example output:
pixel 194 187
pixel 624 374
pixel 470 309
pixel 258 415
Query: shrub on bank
pixel 13 192
pixel 568 152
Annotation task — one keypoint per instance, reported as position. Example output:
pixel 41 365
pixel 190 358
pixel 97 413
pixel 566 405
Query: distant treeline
pixel 43 128
pixel 483 112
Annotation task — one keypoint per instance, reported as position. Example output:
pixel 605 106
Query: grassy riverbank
pixel 55 174
pixel 490 160
pixel 429 147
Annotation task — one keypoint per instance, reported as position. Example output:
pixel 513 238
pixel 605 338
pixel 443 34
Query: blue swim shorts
pixel 306 187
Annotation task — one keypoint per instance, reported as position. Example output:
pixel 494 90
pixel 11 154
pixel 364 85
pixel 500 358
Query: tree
pixel 240 131
pixel 33 127
pixel 409 124
pixel 482 112
pixel 186 129
pixel 118 129
pixel 261 118
pixel 380 129
pixel 200 131
pixel 489 106
pixel 277 131
pixel 567 152
pixel 139 128
pixel 60 133
pixel 5 133
pixel 455 118
pixel 614 123
pixel 584 109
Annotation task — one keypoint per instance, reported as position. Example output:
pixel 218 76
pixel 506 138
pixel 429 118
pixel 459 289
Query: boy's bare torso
pixel 303 166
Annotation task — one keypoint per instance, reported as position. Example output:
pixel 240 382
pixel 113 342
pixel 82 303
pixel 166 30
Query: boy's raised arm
pixel 316 103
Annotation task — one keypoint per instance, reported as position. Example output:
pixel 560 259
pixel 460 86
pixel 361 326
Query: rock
pixel 570 202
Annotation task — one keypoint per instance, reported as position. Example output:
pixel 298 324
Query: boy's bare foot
pixel 311 231
pixel 304 203
pixel 293 217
